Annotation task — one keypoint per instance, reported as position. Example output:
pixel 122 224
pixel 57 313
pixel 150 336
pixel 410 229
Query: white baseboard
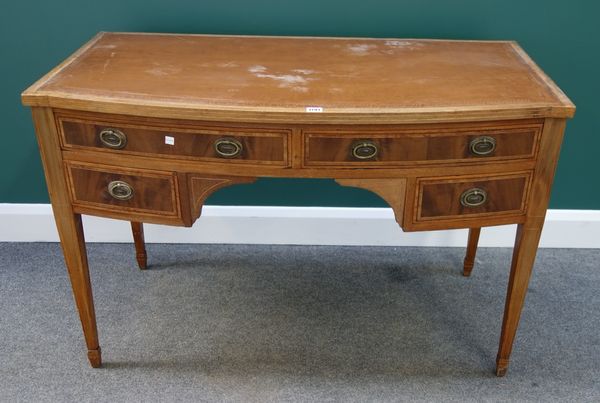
pixel 296 226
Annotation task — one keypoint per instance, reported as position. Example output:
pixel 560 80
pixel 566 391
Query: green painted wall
pixel 563 37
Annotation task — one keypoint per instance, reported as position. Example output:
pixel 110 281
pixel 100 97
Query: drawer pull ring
pixel 228 148
pixel 113 138
pixel 473 197
pixel 120 190
pixel 364 150
pixel 483 145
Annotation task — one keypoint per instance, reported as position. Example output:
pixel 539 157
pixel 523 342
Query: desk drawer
pixel 409 146
pixel 470 197
pixel 214 144
pixel 118 190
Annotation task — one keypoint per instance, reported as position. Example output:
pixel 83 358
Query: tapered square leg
pixel 137 228
pixel 70 229
pixel 471 251
pixel 72 241
pixel 528 238
pixel 526 243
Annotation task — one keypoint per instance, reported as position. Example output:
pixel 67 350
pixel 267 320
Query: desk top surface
pixel 276 78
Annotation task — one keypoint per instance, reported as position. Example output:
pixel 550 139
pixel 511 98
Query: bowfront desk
pixel 451 134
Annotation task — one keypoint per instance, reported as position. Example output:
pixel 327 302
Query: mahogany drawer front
pixel 245 146
pixel 476 197
pixel 419 146
pixel 102 187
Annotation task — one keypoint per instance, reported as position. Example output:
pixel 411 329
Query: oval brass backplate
pixel 364 150
pixel 482 145
pixel 113 138
pixel 120 190
pixel 228 148
pixel 473 197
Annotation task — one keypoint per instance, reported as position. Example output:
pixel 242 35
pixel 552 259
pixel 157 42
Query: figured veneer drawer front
pixel 372 148
pixel 462 197
pixel 146 192
pixel 213 144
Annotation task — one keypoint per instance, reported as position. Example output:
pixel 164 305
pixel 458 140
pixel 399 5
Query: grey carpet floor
pixel 296 323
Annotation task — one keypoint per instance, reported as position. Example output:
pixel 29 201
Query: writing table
pixel 451 134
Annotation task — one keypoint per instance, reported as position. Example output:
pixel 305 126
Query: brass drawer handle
pixel 228 148
pixel 473 197
pixel 113 138
pixel 120 190
pixel 482 145
pixel 364 150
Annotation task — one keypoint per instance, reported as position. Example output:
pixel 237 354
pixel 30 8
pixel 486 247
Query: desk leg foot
pixel 137 228
pixel 471 251
pixel 95 357
pixel 501 367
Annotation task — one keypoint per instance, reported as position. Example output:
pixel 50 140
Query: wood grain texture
pixel 472 241
pixel 137 230
pixel 441 197
pixel 275 78
pixel 433 203
pixel 183 140
pixel 527 239
pixel 411 145
pixel 153 192
pixel 202 186
pixel 393 191
pixel 70 229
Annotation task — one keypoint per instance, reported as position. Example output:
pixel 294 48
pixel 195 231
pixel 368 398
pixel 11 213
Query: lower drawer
pixel 115 190
pixel 469 200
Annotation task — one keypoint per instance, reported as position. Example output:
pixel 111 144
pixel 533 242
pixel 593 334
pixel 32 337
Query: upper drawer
pixel 188 141
pixel 413 145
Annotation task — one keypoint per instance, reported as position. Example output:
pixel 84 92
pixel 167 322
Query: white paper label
pixel 170 140
pixel 314 109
